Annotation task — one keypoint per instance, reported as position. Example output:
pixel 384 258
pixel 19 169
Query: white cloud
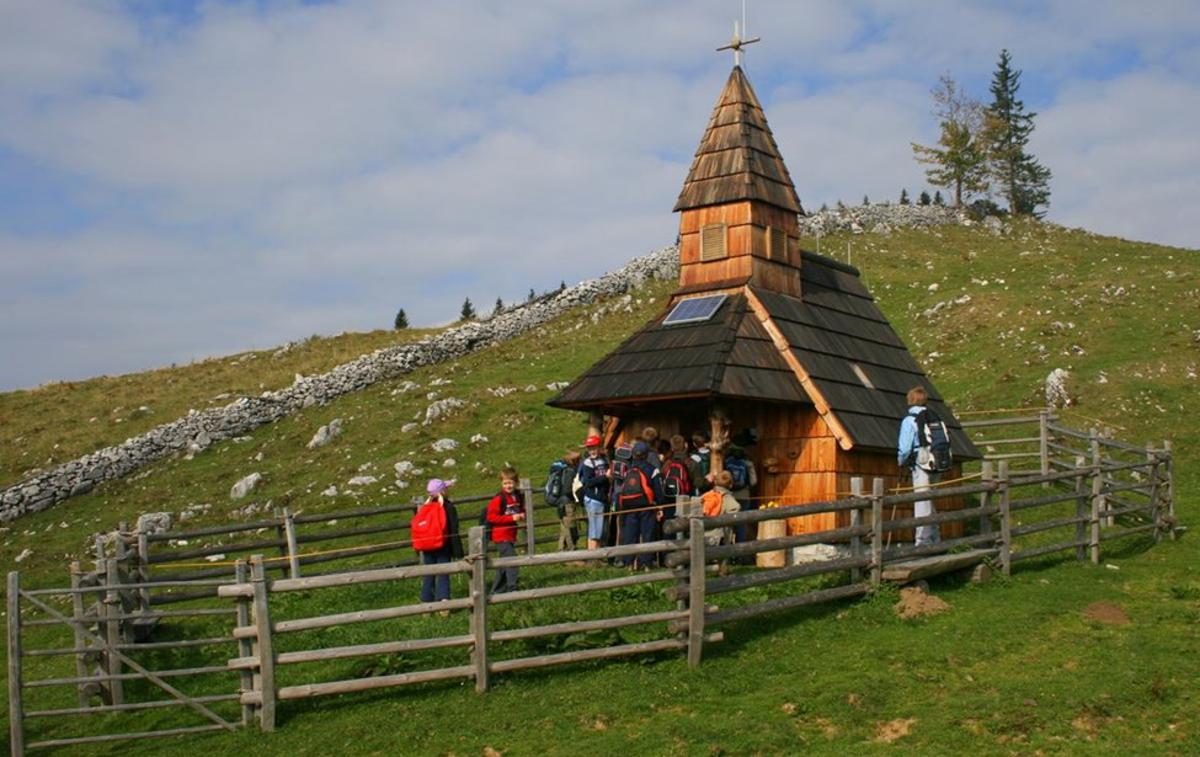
pixel 268 170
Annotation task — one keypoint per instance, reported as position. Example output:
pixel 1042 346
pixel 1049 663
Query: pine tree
pixel 841 205
pixel 1020 178
pixel 937 198
pixel 924 198
pixel 499 307
pixel 401 320
pixel 468 311
pixel 866 200
pixel 562 285
pixel 959 162
pixel 904 197
pixel 824 208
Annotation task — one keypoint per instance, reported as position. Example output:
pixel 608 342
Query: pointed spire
pixel 738 158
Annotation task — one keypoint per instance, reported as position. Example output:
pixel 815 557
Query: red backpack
pixel 676 481
pixel 429 527
pixel 635 490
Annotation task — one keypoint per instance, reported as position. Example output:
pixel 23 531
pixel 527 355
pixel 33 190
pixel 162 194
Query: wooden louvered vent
pixel 712 242
pixel 777 244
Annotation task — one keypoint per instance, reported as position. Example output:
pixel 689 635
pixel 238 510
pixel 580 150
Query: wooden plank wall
pixel 746 243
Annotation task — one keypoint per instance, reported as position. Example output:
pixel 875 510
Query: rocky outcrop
pixel 882 219
pixel 199 428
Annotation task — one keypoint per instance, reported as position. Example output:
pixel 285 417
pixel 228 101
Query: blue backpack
pixel 740 471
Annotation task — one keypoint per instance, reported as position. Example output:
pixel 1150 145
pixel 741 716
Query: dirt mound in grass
pixel 1107 613
pixel 915 603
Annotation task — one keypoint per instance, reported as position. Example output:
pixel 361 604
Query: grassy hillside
pixel 58 422
pixel 1014 667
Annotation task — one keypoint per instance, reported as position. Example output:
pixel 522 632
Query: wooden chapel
pixel 762 335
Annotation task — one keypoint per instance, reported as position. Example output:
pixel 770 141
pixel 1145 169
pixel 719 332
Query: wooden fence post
pixel 81 661
pixel 1044 444
pixel 1081 508
pixel 245 645
pixel 281 535
pixel 877 532
pixel 16 714
pixel 695 591
pixel 477 553
pixel 1155 511
pixel 1097 500
pixel 1098 485
pixel 143 572
pixel 856 491
pixel 1005 520
pixel 289 534
pixel 1169 487
pixel 112 630
pixel 264 646
pixel 987 475
pixel 530 535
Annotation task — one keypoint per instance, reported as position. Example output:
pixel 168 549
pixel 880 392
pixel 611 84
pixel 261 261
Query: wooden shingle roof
pixel 834 349
pixel 737 158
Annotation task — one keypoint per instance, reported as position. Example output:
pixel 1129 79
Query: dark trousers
pixel 635 528
pixel 435 588
pixel 506 578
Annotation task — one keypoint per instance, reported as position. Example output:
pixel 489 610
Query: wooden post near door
pixel 595 423
pixel 719 438
pixel 856 491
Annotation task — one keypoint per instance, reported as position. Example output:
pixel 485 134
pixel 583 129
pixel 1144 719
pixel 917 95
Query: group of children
pixel 624 499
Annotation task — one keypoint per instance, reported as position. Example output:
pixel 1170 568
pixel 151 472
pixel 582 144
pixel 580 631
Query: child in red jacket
pixel 504 512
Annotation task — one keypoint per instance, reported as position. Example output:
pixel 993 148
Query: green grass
pixel 1013 668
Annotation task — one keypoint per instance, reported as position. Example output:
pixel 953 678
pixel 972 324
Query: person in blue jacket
pixel 908 455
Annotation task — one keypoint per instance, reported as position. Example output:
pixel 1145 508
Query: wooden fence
pixel 1063 501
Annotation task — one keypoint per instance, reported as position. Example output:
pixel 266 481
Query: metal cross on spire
pixel 737 43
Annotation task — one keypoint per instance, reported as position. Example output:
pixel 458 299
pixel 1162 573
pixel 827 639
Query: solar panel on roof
pixel 694 309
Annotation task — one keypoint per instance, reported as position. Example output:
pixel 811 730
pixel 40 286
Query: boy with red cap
pixel 594 479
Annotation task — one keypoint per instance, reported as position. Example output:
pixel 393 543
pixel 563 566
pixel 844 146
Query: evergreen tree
pixel 824 208
pixel 532 296
pixel 959 162
pixel 924 198
pixel 468 311
pixel 904 197
pixel 562 285
pixel 401 320
pixel 499 307
pixel 841 205
pixel 866 200
pixel 937 198
pixel 1020 178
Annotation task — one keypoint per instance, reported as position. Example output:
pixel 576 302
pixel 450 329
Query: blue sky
pixel 187 179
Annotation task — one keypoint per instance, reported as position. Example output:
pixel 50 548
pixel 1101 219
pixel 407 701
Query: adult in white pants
pixel 909 455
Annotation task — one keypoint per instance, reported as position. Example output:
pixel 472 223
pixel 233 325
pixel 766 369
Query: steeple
pixel 738 203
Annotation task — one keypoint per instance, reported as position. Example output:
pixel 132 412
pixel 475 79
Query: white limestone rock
pixel 326 434
pixel 245 486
